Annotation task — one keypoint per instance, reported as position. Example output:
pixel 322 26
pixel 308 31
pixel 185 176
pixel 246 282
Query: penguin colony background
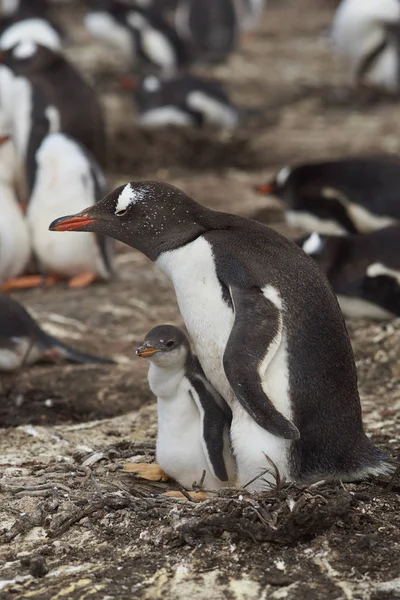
pixel 131 124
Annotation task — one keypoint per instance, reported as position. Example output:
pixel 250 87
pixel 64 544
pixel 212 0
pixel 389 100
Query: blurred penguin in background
pixel 67 179
pixel 364 270
pixel 366 35
pixel 210 27
pixel 139 34
pixel 15 245
pixel 42 93
pixel 185 100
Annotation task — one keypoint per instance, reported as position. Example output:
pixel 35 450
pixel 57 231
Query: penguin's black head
pixel 278 184
pixel 28 57
pixel 150 216
pixel 167 345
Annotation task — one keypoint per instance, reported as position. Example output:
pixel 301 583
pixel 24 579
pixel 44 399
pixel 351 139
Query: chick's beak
pixel 146 351
pixel 71 223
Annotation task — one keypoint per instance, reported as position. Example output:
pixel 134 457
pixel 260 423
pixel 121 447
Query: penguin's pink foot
pixel 27 282
pixel 151 472
pixel 82 280
pixel 197 496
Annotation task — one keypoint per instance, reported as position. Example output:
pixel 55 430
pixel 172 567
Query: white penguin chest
pixel 179 443
pixel 208 318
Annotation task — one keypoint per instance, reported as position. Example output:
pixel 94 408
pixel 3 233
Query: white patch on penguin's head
pixel 378 269
pixel 283 175
pixel 127 198
pixel 24 50
pixel 313 244
pixel 33 30
pixel 151 84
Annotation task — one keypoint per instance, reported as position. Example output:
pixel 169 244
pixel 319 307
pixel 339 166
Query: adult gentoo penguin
pixel 15 244
pixel 67 176
pixel 365 34
pixel 46 94
pixel 37 30
pixel 183 100
pixel 265 324
pixel 23 342
pixel 346 195
pixel 211 27
pixel 364 270
pixel 193 419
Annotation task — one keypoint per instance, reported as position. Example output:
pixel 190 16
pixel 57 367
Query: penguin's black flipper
pixel 213 423
pixel 257 326
pixel 57 349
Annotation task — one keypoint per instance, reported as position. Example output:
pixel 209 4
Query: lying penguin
pixel 266 327
pixel 365 35
pixel 34 29
pixel 364 270
pixel 193 419
pixel 15 244
pixel 183 100
pixel 347 195
pixel 23 342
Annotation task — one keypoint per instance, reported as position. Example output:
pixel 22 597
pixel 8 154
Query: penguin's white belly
pixel 66 255
pixel 15 246
pixel 208 318
pixel 179 445
pixel 209 321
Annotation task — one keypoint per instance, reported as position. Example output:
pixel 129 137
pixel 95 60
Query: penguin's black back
pixel 174 92
pixel 213 27
pixel 15 321
pixel 322 373
pixel 372 182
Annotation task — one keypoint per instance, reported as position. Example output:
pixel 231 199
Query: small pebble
pixel 38 566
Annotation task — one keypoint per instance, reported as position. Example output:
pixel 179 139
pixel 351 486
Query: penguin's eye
pixel 121 213
pixel 169 344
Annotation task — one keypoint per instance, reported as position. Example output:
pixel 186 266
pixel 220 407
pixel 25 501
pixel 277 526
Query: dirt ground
pixel 71 524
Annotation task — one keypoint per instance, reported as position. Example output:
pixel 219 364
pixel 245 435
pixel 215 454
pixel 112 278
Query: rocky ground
pixel 72 525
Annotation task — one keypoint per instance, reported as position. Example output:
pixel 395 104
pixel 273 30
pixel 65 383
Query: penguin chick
pixel 266 327
pixel 193 419
pixel 15 244
pixel 363 269
pixel 43 93
pixel 184 100
pixel 136 30
pixel 67 176
pixel 347 195
pixel 365 35
pixel 23 342
pixel 211 27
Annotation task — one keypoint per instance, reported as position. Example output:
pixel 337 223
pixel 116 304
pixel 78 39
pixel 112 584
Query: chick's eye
pixel 169 344
pixel 121 213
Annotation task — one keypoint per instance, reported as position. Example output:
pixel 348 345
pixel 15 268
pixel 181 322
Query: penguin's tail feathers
pixel 56 350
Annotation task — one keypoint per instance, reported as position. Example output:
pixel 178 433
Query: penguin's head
pixel 165 345
pixel 151 216
pixel 278 184
pixel 28 57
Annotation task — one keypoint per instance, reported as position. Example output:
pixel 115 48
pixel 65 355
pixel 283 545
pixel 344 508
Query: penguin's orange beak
pixel 146 351
pixel 4 139
pixel 71 223
pixel 265 188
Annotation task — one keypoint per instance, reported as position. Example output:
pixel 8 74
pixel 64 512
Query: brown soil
pixel 74 526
